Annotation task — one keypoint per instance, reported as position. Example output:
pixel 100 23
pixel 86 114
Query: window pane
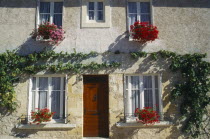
pixel 91 15
pixel 100 15
pixel 58 7
pixel 100 5
pixel 56 83
pixel 132 7
pixel 43 83
pixel 156 82
pixel 44 7
pixel 135 82
pixel 91 5
pixel 132 19
pixel 135 100
pixel 147 81
pixel 34 83
pixel 157 100
pixel 145 7
pixel 44 18
pixel 57 20
pixel 145 18
pixel 148 101
pixel 55 104
pixel 64 102
pixel 42 99
pixel 64 83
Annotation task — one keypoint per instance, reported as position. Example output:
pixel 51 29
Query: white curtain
pixel 135 89
pixel 132 12
pixel 148 99
pixel 44 12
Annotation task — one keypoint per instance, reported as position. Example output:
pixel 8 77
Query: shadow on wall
pixel 31 46
pixel 123 44
pixel 30 133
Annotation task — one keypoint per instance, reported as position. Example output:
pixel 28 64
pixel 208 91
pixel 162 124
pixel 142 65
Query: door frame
pixel 107 82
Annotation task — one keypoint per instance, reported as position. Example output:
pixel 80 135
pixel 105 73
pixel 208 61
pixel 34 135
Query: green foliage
pixel 192 89
pixel 138 54
pixel 13 66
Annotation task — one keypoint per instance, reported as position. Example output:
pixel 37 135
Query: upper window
pixel 142 91
pixel 48 92
pixel 51 12
pixel 96 11
pixel 138 11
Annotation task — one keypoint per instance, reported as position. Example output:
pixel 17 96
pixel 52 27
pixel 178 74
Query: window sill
pixel 140 125
pixel 45 126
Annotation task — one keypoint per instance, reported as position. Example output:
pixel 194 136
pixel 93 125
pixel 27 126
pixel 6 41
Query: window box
pixel 46 126
pixel 140 125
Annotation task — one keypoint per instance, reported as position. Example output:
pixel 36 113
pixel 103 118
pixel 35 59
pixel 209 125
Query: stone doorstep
pixel 45 126
pixel 94 138
pixel 140 125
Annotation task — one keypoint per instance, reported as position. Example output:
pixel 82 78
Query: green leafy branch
pixel 13 66
pixel 193 89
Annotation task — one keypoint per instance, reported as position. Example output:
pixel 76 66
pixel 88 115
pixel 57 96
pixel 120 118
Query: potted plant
pixel 41 115
pixel 50 33
pixel 147 116
pixel 143 32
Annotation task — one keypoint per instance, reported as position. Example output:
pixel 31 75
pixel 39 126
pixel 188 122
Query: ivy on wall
pixel 193 90
pixel 13 66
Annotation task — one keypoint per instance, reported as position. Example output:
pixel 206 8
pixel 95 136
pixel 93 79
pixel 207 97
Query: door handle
pixel 94 97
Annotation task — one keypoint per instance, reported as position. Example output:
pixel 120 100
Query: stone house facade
pixel 183 28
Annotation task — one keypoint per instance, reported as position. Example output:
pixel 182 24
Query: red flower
pixel 143 32
pixel 147 115
pixel 42 115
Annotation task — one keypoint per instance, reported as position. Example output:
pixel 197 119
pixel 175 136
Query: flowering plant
pixel 143 32
pixel 41 115
pixel 147 115
pixel 49 32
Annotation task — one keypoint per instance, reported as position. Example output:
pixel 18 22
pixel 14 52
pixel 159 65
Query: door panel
pixel 96 109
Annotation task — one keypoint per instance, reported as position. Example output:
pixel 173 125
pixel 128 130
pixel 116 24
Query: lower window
pixel 142 91
pixel 48 92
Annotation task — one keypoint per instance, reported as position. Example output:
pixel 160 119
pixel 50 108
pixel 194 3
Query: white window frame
pixel 105 23
pixel 95 12
pixel 128 96
pixel 63 92
pixel 51 11
pixel 138 11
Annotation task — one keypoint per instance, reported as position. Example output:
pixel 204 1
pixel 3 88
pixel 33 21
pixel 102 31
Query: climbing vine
pixel 13 66
pixel 193 90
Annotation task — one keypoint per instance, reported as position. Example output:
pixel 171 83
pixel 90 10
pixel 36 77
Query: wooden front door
pixel 96 106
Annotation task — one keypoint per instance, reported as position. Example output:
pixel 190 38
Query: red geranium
pixel 147 115
pixel 143 32
pixel 41 115
pixel 49 32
